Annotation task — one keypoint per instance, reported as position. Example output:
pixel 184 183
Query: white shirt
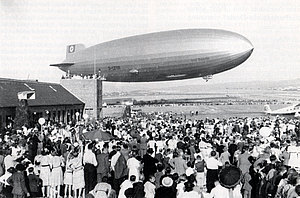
pixel 66 133
pixel 89 157
pixel 203 145
pixel 124 186
pixel 149 190
pixel 117 133
pixel 172 144
pixel 101 189
pixel 180 189
pixel 151 144
pixel 114 160
pixel 159 144
pixel 213 163
pixel 16 151
pixel 221 192
pixel 9 162
pixel 189 171
pixel 191 194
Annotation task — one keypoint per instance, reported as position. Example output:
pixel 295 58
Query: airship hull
pixel 162 56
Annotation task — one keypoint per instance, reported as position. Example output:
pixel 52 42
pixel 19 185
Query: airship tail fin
pixel 72 50
pixel 267 109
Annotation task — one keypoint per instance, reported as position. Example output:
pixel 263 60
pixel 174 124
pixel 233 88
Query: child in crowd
pixel 149 187
pixel 158 175
pixel 199 166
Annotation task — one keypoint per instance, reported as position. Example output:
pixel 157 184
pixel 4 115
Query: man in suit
pixel 33 182
pixel 103 165
pixel 90 171
pixel 149 164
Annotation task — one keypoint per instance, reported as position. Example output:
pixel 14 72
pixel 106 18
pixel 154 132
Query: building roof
pixel 46 94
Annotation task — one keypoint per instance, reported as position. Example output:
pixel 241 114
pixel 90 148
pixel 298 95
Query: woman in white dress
pixel 45 162
pixel 56 178
pixel 78 172
pixel 134 167
pixel 68 177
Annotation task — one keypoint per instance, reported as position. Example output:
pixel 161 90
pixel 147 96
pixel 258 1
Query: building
pixel 89 91
pixel 52 101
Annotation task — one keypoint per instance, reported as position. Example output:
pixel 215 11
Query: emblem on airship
pixel 71 48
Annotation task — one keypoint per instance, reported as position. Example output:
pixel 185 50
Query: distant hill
pixel 258 85
pixel 198 87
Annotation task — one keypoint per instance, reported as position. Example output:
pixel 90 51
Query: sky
pixel 35 33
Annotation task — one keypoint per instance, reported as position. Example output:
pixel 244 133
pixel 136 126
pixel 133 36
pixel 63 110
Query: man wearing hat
pixel 212 165
pixel 166 190
pixel 228 184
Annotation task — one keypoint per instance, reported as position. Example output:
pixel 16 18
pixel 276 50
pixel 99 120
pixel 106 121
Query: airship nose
pixel 248 46
pixel 230 43
pixel 241 44
pixel 246 49
pixel 234 48
pixel 240 49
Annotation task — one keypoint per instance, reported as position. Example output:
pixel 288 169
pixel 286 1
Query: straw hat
pixel 167 182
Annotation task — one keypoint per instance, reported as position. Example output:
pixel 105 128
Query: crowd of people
pixel 153 156
pixel 78 77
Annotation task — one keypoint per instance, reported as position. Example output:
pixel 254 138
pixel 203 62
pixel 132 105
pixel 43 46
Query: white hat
pixel 76 144
pixel 167 182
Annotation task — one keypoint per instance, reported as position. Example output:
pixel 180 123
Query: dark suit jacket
pixel 17 181
pixel 103 163
pixel 121 169
pixel 33 181
pixel 149 164
pixel 165 192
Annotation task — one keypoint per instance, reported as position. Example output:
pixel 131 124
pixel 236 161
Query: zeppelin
pixel 161 56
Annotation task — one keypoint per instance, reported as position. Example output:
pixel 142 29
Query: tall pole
pixel 94 62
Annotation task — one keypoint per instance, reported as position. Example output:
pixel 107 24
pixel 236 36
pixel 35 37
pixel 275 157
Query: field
pixel 217 100
pixel 204 111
